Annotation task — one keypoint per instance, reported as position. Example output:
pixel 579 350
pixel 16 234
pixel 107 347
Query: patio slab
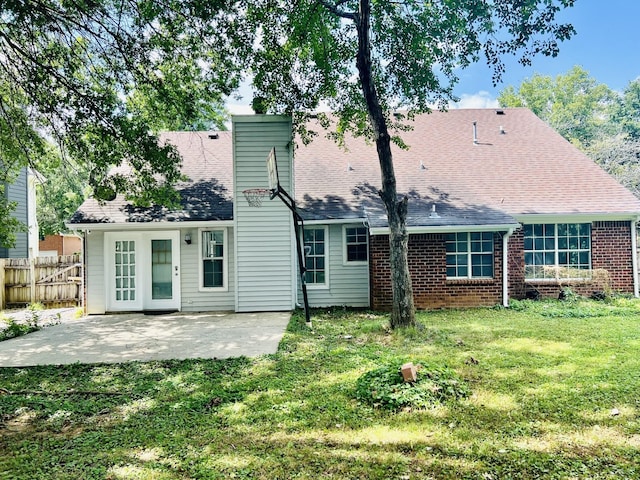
pixel 139 337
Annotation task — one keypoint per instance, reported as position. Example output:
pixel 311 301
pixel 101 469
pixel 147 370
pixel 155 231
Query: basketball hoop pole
pixel 298 222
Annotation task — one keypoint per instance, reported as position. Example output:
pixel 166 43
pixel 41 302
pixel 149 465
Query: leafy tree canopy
pixel 98 77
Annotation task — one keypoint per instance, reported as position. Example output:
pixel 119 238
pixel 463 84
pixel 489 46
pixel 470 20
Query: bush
pixel 385 387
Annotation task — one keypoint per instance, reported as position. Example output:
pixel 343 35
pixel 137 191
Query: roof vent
pixel 349 167
pixel 475 133
pixel 502 131
pixel 214 136
pixel 433 213
pixel 422 166
pixel 499 112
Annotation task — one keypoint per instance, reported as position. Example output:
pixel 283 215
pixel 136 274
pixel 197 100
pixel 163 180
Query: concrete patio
pixel 139 337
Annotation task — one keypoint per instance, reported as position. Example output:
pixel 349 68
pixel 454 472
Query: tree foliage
pixel 98 77
pixel 365 59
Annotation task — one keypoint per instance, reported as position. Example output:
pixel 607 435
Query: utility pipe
pixel 505 267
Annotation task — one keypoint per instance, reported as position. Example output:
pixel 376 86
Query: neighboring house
pixel 23 192
pixel 500 206
pixel 60 244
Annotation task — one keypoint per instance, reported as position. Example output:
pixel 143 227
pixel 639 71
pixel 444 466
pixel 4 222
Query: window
pixel 125 263
pixel 315 248
pixel 212 251
pixel 557 250
pixel 469 255
pixel 356 244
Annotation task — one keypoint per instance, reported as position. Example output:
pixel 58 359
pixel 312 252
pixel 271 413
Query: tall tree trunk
pixel 403 313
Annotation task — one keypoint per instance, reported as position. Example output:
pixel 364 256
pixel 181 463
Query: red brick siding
pixel 610 250
pixel 63 244
pixel 427 265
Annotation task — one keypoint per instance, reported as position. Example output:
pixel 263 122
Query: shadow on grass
pixel 543 395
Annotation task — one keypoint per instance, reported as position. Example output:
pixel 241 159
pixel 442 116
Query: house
pixel 22 191
pixel 500 206
pixel 60 244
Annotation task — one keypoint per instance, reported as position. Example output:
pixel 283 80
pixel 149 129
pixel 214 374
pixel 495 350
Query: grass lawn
pixel 555 394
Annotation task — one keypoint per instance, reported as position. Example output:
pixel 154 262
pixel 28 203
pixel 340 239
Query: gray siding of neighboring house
pixel 18 192
pixel 265 276
pixel 193 298
pixel 96 294
pixel 348 284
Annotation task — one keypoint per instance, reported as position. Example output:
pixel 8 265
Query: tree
pixel 99 77
pixel 366 59
pixel 574 104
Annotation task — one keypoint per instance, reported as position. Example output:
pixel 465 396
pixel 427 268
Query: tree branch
pixel 336 10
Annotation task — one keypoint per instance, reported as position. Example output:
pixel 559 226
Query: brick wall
pixel 610 250
pixel 63 244
pixel 427 265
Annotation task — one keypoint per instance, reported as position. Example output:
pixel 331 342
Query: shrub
pixel 384 387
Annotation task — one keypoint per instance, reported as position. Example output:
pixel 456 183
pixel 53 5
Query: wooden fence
pixel 55 282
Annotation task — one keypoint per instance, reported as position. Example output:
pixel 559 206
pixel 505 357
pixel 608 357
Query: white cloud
pixel 482 99
pixel 239 109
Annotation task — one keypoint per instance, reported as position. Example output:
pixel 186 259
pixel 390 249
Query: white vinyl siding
pixel 264 248
pixel 348 283
pixel 96 288
pixel 194 298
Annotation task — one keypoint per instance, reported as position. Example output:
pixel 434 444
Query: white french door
pixel 143 271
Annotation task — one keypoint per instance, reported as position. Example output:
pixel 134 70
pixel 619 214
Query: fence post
pixel 32 274
pixel 2 287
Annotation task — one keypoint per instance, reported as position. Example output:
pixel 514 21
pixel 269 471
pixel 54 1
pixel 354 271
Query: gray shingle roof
pixel 519 165
pixel 206 195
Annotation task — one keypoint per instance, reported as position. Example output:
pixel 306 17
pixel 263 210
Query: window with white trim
pixel 469 254
pixel 315 249
pixel 553 251
pixel 213 259
pixel 356 241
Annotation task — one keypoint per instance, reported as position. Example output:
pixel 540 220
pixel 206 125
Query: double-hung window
pixel 315 243
pixel 213 259
pixel 469 254
pixel 356 244
pixel 553 251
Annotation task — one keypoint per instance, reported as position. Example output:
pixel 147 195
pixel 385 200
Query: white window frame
pixel 225 260
pixel 325 285
pixel 556 253
pixel 345 259
pixel 469 254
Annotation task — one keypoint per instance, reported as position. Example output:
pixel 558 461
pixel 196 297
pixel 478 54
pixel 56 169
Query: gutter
pixel 634 257
pixel 505 267
pixel 147 225
pixel 449 229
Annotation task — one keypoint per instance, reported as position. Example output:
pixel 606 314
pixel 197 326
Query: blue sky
pixel 606 44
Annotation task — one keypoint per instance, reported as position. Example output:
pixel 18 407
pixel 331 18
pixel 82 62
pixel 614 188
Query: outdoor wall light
pixel 187 238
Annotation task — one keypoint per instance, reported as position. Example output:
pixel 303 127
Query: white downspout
pixel 505 267
pixel 634 257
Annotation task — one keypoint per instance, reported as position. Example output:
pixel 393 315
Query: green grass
pixel 545 379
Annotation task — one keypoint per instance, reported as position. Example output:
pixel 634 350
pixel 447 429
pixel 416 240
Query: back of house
pixel 500 206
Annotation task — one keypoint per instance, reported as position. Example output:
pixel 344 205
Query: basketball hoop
pixel 254 196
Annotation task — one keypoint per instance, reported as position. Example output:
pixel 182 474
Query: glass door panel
pixel 161 270
pixel 125 270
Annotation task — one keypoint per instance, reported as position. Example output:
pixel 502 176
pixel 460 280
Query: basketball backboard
pixel 272 170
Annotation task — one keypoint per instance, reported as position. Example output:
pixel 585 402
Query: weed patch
pixel 385 387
